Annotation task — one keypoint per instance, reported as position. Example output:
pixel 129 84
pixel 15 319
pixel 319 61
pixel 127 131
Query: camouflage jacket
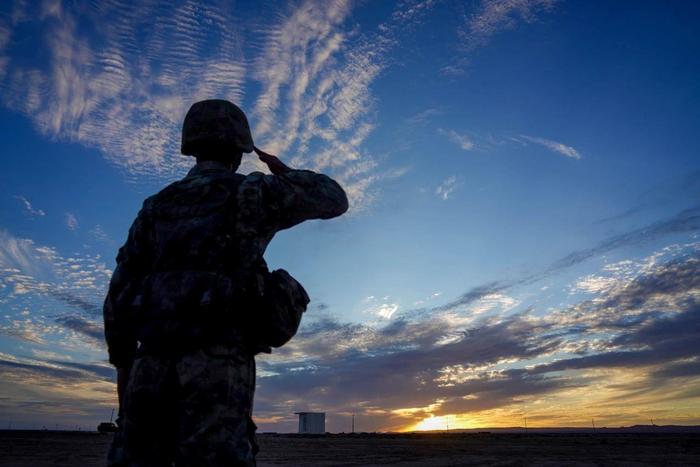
pixel 192 267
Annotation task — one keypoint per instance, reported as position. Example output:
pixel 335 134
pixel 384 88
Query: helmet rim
pixel 215 125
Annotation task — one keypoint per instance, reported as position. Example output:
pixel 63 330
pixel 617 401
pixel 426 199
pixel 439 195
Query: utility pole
pixel 353 423
pixel 593 423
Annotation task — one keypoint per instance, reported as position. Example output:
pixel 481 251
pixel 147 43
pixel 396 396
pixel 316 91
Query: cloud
pixel 494 302
pixel 37 283
pixel 462 141
pixel 99 234
pixel 656 341
pixel 107 85
pixel 28 208
pixel 685 186
pixel 491 17
pixel 308 36
pixel 381 309
pixel 9 366
pixel 423 116
pixel 125 93
pixel 593 284
pixel 55 392
pixel 71 221
pixel 477 293
pixel 404 369
pixel 21 255
pixel 645 325
pixel 447 187
pixel 27 329
pixel 316 99
pixel 686 221
pixel 554 146
pixel 82 326
pixel 495 16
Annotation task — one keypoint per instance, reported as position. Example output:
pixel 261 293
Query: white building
pixel 312 422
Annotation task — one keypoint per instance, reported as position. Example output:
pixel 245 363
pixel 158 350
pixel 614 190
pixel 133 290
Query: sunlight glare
pixel 443 422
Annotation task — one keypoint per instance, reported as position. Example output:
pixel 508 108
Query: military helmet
pixel 215 125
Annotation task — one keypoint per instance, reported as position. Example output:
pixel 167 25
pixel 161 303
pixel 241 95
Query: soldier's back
pixel 193 221
pixel 190 393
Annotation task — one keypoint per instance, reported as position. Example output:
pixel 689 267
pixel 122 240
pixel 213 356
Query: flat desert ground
pixel 36 449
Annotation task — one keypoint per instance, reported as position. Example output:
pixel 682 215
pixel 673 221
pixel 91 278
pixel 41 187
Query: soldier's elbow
pixel 337 208
pixel 332 197
pixel 341 205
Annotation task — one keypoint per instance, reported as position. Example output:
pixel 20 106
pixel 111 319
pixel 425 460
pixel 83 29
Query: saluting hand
pixel 275 165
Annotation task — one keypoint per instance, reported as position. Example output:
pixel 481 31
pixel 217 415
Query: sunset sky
pixel 524 178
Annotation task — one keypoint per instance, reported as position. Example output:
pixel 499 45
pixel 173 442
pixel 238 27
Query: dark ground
pixel 34 448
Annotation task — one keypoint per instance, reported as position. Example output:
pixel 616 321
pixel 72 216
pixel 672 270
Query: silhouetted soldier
pixel 191 300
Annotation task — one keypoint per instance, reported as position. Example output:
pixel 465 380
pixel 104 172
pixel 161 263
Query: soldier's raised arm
pixel 299 195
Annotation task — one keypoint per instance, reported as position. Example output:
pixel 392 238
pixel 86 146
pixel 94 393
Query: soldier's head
pixel 216 130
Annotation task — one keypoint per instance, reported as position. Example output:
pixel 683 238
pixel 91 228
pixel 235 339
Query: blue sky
pixel 524 183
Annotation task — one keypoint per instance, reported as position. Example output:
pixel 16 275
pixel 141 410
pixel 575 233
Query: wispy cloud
pixel 423 116
pixel 55 391
pixel 490 18
pixel 126 93
pixel 71 221
pixel 554 146
pixel 316 99
pixel 684 222
pixel 20 254
pixel 684 186
pixel 45 293
pixel 120 90
pixel 82 326
pixel 494 16
pixel 384 308
pixel 99 234
pixel 29 208
pixel 462 141
pixel 447 187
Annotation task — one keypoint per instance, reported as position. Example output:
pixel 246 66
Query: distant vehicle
pixel 107 427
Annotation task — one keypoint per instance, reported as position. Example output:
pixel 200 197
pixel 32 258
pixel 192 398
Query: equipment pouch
pixel 283 303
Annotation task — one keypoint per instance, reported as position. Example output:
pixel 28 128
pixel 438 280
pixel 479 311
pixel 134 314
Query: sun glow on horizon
pixel 442 422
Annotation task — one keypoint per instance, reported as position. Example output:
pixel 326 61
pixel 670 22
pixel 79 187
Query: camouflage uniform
pixel 191 302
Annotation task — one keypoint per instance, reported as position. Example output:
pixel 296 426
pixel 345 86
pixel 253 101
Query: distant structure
pixel 312 422
pixel 107 427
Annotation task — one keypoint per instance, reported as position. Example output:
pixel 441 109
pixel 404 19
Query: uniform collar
pixel 208 166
